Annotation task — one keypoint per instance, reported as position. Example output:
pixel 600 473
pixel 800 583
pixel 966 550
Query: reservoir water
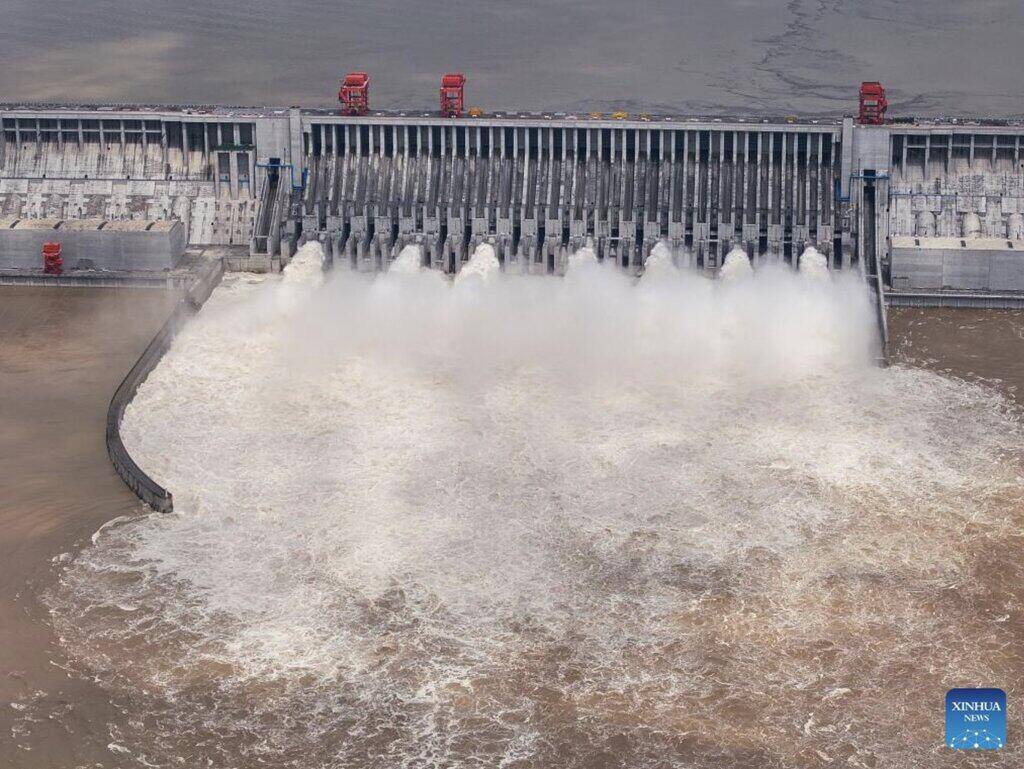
pixel 777 57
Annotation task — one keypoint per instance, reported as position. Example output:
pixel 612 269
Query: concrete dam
pixel 928 206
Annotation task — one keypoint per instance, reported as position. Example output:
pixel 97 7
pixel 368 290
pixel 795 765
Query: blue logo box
pixel 976 719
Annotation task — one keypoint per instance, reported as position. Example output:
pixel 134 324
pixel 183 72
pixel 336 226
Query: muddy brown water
pixel 979 345
pixel 62 353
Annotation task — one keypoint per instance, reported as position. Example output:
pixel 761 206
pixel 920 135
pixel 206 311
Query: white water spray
pixel 581 258
pixel 409 260
pixel 300 278
pixel 737 266
pixel 814 264
pixel 482 267
pixel 659 264
pixel 306 267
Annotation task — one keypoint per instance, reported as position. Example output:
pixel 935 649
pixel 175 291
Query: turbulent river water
pixel 513 521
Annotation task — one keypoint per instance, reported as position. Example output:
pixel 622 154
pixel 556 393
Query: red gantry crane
pixel 453 93
pixel 354 93
pixel 53 263
pixel 872 104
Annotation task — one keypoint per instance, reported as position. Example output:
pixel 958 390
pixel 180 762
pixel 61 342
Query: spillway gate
pixel 538 192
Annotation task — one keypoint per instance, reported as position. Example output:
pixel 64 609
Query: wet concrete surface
pixel 63 351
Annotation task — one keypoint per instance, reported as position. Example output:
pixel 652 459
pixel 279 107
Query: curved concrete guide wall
pixel 144 487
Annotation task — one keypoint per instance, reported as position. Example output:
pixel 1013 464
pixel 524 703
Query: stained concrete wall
pixel 93 244
pixel 978 264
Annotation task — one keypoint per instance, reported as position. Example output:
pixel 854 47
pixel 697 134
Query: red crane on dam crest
pixel 873 104
pixel 453 94
pixel 354 93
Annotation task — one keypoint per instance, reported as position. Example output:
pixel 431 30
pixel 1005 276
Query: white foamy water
pixel 659 263
pixel 482 267
pixel 306 268
pixel 532 522
pixel 814 264
pixel 736 266
pixel 582 258
pixel 409 260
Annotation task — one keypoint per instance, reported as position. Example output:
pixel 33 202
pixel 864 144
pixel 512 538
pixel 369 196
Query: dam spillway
pixel 536 186
pixel 539 192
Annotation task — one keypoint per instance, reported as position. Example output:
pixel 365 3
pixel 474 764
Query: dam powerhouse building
pixel 931 206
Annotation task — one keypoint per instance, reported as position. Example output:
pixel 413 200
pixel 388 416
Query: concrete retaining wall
pixel 967 264
pixel 974 300
pixel 144 487
pixel 93 244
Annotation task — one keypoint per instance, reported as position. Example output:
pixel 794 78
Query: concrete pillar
pixel 296 156
pixel 710 256
pixel 846 166
pixel 252 174
pixel 233 173
pixel 807 181
pixel 760 167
